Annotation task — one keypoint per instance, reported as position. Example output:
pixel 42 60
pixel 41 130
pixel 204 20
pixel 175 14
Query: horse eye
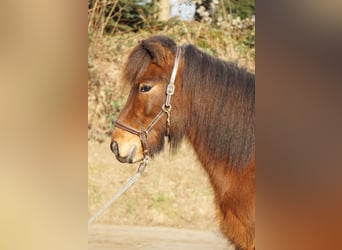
pixel 145 88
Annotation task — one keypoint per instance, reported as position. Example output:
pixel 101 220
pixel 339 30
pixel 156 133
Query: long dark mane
pixel 223 97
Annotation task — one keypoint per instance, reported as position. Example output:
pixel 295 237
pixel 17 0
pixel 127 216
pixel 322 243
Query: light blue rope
pixel 128 184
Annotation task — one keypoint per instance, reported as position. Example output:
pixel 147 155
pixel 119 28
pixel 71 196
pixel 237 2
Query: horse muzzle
pixel 129 156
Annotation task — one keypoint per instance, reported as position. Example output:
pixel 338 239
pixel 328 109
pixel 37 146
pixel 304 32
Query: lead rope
pixel 128 184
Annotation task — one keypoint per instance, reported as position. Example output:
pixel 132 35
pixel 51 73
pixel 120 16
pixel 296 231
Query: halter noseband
pixel 166 109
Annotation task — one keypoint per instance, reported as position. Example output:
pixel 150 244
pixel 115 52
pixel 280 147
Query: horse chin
pixel 132 156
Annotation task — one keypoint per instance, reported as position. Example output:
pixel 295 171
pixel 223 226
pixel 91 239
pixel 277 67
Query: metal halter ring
pixel 166 108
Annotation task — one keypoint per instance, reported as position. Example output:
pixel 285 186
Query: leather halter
pixel 165 109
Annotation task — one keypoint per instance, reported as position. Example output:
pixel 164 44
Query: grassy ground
pixel 173 191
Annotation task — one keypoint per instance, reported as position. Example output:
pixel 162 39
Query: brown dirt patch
pixel 104 237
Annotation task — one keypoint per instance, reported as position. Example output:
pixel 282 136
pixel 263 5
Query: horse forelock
pixel 146 52
pixel 136 65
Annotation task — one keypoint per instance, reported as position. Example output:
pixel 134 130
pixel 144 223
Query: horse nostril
pixel 114 147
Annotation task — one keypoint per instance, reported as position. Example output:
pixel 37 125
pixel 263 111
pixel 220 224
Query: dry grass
pixel 174 190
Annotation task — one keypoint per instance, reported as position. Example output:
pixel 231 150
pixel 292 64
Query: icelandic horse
pixel 213 107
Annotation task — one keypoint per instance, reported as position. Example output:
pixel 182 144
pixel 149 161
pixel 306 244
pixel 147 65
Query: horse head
pixel 144 121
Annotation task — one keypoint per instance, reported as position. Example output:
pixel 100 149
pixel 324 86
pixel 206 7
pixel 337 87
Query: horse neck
pixel 218 99
pixel 221 130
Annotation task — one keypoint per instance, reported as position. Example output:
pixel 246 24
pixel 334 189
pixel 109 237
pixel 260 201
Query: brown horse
pixel 212 106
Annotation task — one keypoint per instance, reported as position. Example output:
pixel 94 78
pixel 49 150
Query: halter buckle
pixel 142 165
pixel 170 89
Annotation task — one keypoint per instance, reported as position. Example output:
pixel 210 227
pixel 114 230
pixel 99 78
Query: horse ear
pixel 158 52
